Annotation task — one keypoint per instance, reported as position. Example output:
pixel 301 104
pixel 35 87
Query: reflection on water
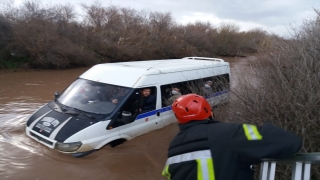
pixel 23 92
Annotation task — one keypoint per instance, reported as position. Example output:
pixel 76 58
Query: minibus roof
pixel 128 73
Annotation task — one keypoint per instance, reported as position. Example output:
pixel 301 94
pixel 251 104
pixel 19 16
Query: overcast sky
pixel 274 16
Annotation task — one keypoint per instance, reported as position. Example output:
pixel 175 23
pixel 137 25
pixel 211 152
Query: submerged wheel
pixel 82 154
pixel 116 142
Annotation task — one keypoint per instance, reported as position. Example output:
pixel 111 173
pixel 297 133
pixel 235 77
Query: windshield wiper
pixel 59 107
pixel 65 110
pixel 82 112
pixel 71 113
pixel 75 114
pixel 88 115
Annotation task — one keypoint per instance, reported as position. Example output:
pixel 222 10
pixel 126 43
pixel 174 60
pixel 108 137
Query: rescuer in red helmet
pixel 211 150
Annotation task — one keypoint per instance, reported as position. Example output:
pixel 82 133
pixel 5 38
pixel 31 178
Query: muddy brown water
pixel 24 91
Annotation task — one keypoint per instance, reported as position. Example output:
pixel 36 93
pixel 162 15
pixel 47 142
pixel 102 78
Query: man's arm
pixel 253 143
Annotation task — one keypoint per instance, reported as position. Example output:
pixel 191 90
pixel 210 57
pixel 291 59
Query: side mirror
pixel 56 94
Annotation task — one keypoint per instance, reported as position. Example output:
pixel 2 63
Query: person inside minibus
pixel 175 93
pixel 144 101
pixel 141 102
pixel 207 89
pixel 119 95
pixel 88 93
pixel 105 93
pixel 110 93
pixel 147 101
pixel 166 92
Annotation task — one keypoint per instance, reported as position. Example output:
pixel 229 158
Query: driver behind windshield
pixel 89 93
pixel 119 95
pixel 86 92
pixel 112 93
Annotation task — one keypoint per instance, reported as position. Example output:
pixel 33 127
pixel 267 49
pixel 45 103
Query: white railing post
pixel 264 170
pixel 297 171
pixel 268 170
pixel 306 171
pixel 272 171
pixel 301 169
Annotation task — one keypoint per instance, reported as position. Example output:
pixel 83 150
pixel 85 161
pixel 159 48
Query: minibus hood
pixel 57 125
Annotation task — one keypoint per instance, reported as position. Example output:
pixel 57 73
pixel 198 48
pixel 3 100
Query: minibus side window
pixel 186 87
pixel 220 83
pixel 196 86
pixel 141 101
pixel 204 87
pixel 170 92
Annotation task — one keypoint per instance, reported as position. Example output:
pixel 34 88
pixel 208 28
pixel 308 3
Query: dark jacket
pixel 149 103
pixel 144 103
pixel 225 150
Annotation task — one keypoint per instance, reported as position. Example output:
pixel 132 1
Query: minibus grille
pixel 41 139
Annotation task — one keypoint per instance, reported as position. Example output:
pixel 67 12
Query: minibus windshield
pixel 93 97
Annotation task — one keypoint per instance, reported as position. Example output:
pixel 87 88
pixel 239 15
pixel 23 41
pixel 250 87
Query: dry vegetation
pixel 283 87
pixel 43 36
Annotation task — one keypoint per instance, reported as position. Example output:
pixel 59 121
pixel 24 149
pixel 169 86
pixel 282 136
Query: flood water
pixel 24 91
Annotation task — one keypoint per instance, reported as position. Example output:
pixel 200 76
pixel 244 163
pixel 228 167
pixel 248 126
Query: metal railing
pixel 301 166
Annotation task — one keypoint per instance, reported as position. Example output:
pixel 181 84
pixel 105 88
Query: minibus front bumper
pixel 72 147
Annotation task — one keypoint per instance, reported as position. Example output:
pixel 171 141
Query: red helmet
pixel 191 107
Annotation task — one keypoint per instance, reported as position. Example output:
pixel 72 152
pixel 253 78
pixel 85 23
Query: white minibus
pixel 114 102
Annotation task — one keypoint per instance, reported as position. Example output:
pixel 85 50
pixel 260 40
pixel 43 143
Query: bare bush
pixel 5 36
pixel 227 41
pixel 284 88
pixel 253 40
pixel 44 34
pixel 198 36
pixel 121 34
pixel 51 36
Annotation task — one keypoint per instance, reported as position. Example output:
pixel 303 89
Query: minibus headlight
pixel 67 147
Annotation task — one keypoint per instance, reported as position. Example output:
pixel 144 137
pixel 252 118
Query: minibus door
pixel 141 123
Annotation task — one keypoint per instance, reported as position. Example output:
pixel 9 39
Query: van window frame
pixel 117 112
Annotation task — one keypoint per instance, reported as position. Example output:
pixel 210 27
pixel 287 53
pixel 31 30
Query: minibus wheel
pixel 116 142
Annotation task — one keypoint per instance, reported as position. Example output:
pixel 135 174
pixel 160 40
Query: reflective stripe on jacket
pixel 203 159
